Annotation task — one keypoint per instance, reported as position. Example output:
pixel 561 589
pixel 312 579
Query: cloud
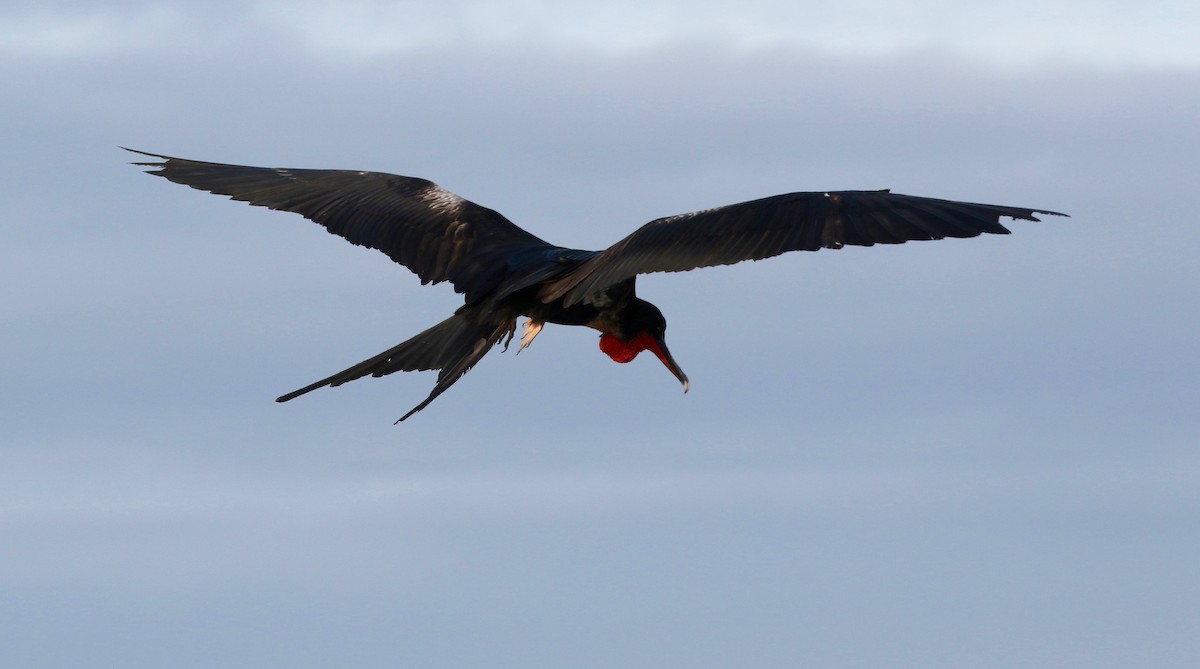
pixel 1027 34
pixel 956 453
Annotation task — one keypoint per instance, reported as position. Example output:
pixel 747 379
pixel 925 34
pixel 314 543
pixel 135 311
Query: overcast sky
pixel 966 453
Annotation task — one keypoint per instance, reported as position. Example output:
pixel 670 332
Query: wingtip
pixel 139 151
pixel 1033 214
pixel 162 159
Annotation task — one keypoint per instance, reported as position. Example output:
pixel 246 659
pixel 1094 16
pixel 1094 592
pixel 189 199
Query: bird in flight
pixel 505 272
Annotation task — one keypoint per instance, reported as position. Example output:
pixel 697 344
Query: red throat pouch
pixel 622 350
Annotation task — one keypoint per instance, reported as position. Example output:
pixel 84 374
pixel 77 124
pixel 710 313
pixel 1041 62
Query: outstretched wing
pixel 774 225
pixel 433 232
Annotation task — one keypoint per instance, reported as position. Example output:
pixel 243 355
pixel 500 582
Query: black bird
pixel 505 272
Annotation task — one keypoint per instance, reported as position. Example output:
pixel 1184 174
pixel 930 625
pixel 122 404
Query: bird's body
pixel 505 272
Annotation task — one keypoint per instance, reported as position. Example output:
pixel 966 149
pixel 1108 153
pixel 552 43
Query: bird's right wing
pixel 433 232
pixel 770 226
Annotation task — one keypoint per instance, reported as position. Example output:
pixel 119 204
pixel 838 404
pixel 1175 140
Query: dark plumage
pixel 505 272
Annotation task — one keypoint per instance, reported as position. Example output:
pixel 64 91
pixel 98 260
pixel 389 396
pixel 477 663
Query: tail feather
pixel 450 374
pixel 452 346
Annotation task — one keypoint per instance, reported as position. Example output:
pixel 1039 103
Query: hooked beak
pixel 664 354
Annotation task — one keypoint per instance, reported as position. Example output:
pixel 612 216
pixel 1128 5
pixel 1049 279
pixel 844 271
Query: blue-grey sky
pixel 967 453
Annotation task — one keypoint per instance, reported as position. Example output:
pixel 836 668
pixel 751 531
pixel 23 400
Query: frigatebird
pixel 505 272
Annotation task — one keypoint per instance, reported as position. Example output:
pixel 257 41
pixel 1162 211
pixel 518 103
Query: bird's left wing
pixel 433 232
pixel 774 225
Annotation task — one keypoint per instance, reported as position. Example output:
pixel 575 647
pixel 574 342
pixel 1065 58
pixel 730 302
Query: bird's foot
pixel 532 328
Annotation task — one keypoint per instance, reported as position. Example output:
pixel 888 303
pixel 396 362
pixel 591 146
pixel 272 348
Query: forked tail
pixel 452 346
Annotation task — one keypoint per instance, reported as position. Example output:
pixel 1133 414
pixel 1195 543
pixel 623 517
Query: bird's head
pixel 642 328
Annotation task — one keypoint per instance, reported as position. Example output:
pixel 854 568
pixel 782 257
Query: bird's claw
pixel 530 331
